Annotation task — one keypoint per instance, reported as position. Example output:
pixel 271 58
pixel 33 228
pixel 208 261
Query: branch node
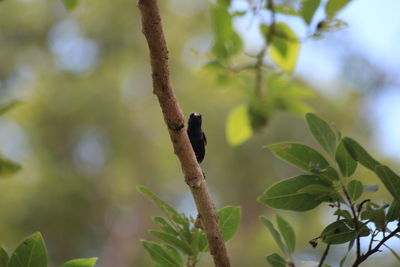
pixel 193 182
pixel 175 126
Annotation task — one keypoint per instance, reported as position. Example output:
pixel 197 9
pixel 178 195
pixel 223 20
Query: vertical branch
pixel 321 262
pixel 173 117
pixel 258 69
pixel 260 56
pixel 355 220
pixel 271 32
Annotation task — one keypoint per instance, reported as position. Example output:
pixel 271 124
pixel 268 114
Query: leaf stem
pixel 355 220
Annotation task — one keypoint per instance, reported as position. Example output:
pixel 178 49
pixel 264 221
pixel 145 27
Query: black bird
pixel 197 136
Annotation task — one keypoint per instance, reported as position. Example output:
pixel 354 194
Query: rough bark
pixel 174 119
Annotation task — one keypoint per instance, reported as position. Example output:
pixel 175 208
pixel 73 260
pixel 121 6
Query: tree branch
pixel 261 54
pixel 321 262
pixel 173 117
pixel 363 257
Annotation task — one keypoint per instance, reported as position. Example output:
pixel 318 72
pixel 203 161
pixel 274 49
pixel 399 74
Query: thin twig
pixel 173 117
pixel 259 72
pixel 261 54
pixel 363 257
pixel 355 220
pixel 321 262
pixel 373 235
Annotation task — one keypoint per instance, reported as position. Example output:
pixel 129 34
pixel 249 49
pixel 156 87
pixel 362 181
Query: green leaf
pixel 226 41
pixel 308 8
pixel 229 220
pixel 347 164
pixel 300 155
pixel 359 154
pixel 346 215
pixel 332 25
pixel 8 168
pixel 7 107
pixel 163 255
pixel 275 234
pixel 203 243
pixel 195 239
pixel 355 189
pixel 287 233
pixel 173 241
pixel 285 194
pixel 334 6
pixel 70 5
pixel 377 216
pixel 322 132
pixel 390 180
pixel 393 212
pixel 322 191
pixel 169 211
pixel 286 9
pixel 88 262
pixel 174 253
pixel 185 229
pixel 338 233
pixel 329 174
pixel 276 260
pixel 165 226
pixel 3 257
pixel 31 252
pixel 238 126
pixel 284 47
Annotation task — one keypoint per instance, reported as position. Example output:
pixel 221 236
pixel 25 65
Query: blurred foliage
pixel 7 167
pixel 32 252
pixel 90 129
pixel 281 45
pixel 70 4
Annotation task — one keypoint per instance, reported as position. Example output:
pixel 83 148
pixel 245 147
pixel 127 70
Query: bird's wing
pixel 204 139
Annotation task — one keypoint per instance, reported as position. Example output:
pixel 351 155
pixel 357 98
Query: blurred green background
pixel 90 129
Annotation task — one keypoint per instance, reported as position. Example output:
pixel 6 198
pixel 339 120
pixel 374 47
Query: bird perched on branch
pixel 197 136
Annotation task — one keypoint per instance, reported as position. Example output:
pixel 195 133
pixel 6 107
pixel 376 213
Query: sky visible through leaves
pixel 372 34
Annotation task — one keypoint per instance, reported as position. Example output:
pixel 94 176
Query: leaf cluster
pixel 181 235
pixel 32 252
pixel 331 180
pixel 285 238
pixel 271 88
